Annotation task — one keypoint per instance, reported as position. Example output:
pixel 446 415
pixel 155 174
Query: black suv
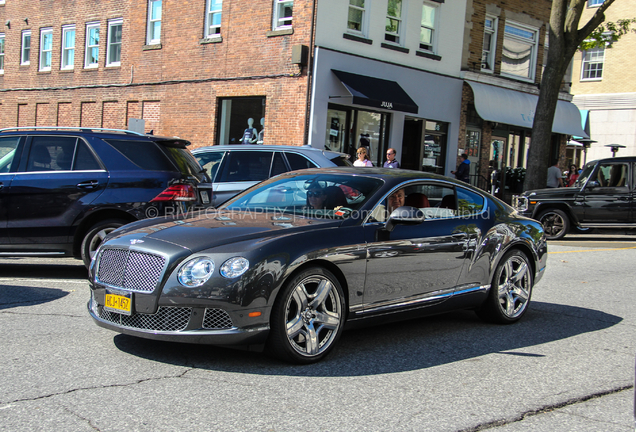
pixel 602 197
pixel 63 189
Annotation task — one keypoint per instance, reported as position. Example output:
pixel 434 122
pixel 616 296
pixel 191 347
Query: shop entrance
pixel 424 145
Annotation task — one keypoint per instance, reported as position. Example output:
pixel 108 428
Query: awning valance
pixel 376 92
pixel 516 108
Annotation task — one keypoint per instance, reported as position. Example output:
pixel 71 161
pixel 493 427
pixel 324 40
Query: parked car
pixel 267 270
pixel 602 197
pixel 63 189
pixel 234 168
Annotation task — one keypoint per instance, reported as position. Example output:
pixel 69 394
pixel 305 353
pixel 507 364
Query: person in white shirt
pixel 363 159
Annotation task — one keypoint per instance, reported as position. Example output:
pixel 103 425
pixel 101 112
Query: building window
pixel 595 3
pixel 519 51
pixel 154 22
pixel 427 27
pixel 92 45
pixel 592 66
pixel 68 47
pixel 393 21
pixel 241 120
pixel 46 49
pixel 282 14
pixel 1 53
pixel 113 50
pixel 213 18
pixel 25 54
pixel 356 17
pixel 490 44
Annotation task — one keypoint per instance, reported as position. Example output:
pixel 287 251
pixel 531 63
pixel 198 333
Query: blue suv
pixel 63 189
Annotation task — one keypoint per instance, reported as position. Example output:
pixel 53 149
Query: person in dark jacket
pixel 463 170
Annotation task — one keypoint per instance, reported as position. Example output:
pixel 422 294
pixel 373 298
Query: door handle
pixel 92 184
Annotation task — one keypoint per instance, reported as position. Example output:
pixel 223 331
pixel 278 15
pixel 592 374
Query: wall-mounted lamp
pixel 26 20
pixel 8 23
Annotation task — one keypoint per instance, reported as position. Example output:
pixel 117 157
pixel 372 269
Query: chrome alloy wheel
pixel 514 284
pixel 555 224
pixel 313 315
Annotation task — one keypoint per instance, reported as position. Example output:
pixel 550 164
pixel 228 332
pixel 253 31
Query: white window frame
pixel 89 47
pixel 433 45
pixel 213 30
pixel 596 61
pixel 46 54
pixel 280 22
pixel 364 22
pixel 66 30
pixel 594 3
pixel 119 22
pixel 25 53
pixel 533 55
pixel 152 20
pixel 2 2
pixel 397 35
pixel 2 49
pixel 492 49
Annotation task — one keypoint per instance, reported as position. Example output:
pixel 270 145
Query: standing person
pixel 573 175
pixel 555 178
pixel 463 169
pixel 390 159
pixel 363 159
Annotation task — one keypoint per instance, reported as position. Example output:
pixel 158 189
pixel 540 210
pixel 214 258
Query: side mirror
pixel 405 215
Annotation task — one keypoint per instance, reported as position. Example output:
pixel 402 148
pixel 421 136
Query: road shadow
pixel 20 268
pixel 397 347
pixel 14 296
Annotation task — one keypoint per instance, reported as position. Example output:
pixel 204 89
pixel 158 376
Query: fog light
pixel 196 272
pixel 234 267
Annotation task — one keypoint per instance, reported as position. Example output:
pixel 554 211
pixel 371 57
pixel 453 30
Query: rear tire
pixel 556 223
pixel 307 318
pixel 95 236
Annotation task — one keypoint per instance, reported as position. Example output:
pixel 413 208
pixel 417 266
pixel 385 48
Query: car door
pixel 56 182
pixel 608 197
pixel 415 263
pixel 10 150
pixel 240 170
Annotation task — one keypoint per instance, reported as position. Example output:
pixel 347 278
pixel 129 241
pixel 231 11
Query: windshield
pixel 585 174
pixel 313 195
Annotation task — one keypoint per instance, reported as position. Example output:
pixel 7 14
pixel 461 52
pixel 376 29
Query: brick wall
pixel 173 86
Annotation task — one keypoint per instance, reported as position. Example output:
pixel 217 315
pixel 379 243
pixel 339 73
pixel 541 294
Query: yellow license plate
pixel 119 303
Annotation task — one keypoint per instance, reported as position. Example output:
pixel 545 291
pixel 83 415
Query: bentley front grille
pixel 129 269
pixel 167 318
pixel 216 319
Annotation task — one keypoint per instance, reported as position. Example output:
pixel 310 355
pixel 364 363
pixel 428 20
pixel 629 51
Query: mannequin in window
pixel 262 132
pixel 250 135
pixel 365 139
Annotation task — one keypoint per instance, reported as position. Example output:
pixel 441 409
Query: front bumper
pixel 179 324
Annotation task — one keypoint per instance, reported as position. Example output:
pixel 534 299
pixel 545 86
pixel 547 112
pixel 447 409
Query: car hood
pixel 552 192
pixel 206 230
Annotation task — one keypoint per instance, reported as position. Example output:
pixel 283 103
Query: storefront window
pixel 434 152
pixel 240 120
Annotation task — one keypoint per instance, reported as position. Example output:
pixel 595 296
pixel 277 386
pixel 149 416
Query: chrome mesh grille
pixel 131 270
pixel 216 319
pixel 167 318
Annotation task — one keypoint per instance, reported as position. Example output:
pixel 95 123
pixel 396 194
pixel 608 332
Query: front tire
pixel 95 236
pixel 556 223
pixel 510 291
pixel 308 317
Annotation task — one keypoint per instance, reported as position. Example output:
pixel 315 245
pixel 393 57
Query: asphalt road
pixel 568 366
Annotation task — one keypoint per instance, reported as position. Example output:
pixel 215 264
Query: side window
pixel 144 154
pixel 436 201
pixel 85 159
pixel 297 162
pixel 51 153
pixel 8 147
pixel 469 203
pixel 612 175
pixel 247 166
pixel 278 167
pixel 210 162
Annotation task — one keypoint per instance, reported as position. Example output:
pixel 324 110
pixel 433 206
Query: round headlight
pixel 234 267
pixel 196 272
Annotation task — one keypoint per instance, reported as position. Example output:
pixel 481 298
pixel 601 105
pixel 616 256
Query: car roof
pixel 224 147
pixel 613 159
pixel 398 175
pixel 102 133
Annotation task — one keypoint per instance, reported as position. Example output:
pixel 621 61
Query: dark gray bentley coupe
pixel 286 264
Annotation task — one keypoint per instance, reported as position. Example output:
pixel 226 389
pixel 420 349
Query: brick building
pixel 504 53
pixel 196 69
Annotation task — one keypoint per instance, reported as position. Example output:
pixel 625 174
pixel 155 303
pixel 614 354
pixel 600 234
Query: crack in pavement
pixel 40 314
pixel 90 424
pixel 180 375
pixel 545 409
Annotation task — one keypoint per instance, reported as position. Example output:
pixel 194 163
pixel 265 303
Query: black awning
pixel 376 92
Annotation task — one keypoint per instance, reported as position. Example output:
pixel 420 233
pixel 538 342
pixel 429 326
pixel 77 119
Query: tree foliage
pixel 567 35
